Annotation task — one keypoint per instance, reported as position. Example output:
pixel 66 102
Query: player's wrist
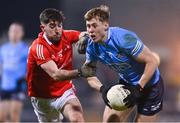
pixel 139 87
pixel 79 72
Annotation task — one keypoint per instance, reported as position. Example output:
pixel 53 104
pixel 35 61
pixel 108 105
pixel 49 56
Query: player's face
pixel 15 33
pixel 97 29
pixel 53 31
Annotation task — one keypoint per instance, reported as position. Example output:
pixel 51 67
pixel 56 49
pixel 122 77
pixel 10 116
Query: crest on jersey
pixel 130 39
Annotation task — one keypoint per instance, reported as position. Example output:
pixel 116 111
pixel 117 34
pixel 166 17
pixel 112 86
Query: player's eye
pixel 52 26
pixel 88 26
pixel 94 25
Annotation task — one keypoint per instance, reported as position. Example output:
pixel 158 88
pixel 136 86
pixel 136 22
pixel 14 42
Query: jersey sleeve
pixel 73 36
pixel 131 44
pixel 41 54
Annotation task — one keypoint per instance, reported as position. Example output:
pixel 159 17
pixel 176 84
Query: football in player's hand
pixel 116 95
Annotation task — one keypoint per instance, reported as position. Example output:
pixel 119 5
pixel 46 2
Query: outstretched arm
pixel 94 83
pixel 157 58
pixel 151 61
pixel 50 67
pixel 59 74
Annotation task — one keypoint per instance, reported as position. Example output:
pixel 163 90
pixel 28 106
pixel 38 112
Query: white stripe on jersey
pixel 39 51
pixel 136 48
pixel 42 54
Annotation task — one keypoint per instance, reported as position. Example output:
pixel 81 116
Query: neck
pixel 104 38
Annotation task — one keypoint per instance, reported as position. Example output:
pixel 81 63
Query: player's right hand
pixel 135 95
pixel 82 44
pixel 87 71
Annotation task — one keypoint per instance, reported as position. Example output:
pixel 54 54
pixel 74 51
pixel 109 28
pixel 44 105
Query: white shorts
pixel 48 110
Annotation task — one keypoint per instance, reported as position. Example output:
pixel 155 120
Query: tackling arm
pixel 94 83
pixel 58 74
pixel 151 61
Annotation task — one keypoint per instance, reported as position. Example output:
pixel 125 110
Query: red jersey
pixel 40 84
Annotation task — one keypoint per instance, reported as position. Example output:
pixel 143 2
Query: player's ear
pixel 42 27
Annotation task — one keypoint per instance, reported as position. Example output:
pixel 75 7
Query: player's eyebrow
pixel 93 24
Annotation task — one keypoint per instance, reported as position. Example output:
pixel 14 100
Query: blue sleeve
pixel 131 44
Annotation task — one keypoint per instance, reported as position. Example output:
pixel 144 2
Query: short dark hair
pixel 51 14
pixel 102 12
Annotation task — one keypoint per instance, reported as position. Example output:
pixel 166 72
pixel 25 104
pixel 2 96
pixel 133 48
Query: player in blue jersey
pixel 13 58
pixel 135 63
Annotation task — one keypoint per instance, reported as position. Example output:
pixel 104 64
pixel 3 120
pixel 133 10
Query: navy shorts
pixel 12 95
pixel 151 101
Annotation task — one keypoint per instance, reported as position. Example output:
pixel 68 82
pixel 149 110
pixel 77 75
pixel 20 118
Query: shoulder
pixel 5 47
pixel 69 33
pixel 36 44
pixel 117 31
pixel 7 44
pixel 123 36
pixel 38 50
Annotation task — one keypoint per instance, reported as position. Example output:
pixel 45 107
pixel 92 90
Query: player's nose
pixel 90 30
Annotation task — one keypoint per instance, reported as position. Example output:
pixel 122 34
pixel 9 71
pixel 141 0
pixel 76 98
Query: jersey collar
pixel 109 36
pixel 47 40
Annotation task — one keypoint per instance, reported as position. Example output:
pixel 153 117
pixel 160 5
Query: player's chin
pixel 55 40
pixel 95 39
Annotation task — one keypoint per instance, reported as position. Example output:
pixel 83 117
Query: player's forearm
pixel 61 75
pixel 150 68
pixel 157 58
pixel 94 83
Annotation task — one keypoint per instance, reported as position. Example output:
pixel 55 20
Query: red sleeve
pixel 73 35
pixel 41 54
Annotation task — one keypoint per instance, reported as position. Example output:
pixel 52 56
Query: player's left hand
pixel 133 98
pixel 82 43
pixel 87 70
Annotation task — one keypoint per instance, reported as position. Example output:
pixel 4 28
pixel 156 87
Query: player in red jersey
pixel 50 71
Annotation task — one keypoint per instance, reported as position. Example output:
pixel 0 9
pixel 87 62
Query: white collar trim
pixel 47 40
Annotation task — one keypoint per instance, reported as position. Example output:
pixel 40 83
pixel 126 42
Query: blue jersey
pixel 118 52
pixel 13 59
